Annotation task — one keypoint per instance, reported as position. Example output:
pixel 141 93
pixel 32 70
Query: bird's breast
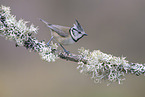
pixel 63 40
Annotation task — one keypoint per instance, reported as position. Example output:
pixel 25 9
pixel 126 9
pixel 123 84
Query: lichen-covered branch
pixel 99 65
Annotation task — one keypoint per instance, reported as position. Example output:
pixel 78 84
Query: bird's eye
pixel 79 32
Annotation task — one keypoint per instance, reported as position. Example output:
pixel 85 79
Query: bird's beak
pixel 86 34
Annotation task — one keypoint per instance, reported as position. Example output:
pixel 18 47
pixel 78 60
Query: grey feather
pixel 55 28
pixel 79 26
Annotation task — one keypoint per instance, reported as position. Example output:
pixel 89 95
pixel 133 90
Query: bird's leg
pixel 62 47
pixel 58 44
pixel 49 40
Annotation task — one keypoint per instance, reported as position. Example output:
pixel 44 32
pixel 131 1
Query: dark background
pixel 113 26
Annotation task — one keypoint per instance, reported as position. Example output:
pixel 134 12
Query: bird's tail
pixel 45 22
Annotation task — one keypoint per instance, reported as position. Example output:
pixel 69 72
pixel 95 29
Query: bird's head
pixel 77 32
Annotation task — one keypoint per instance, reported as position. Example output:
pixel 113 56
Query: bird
pixel 64 35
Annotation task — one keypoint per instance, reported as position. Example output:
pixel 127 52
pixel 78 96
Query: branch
pixel 100 66
pixel 72 57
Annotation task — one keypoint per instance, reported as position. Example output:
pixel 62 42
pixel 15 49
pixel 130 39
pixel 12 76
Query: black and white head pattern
pixel 77 32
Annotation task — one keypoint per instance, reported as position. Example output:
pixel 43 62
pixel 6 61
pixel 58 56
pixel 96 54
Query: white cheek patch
pixel 74 33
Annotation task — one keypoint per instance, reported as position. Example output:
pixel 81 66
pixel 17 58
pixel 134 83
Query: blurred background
pixel 113 26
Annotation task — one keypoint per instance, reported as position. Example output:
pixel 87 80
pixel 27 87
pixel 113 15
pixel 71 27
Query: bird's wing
pixel 60 30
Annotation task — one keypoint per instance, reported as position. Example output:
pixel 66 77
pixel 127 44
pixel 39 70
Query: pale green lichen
pixel 46 53
pixel 23 35
pixel 106 66
pixel 15 30
pixel 137 68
